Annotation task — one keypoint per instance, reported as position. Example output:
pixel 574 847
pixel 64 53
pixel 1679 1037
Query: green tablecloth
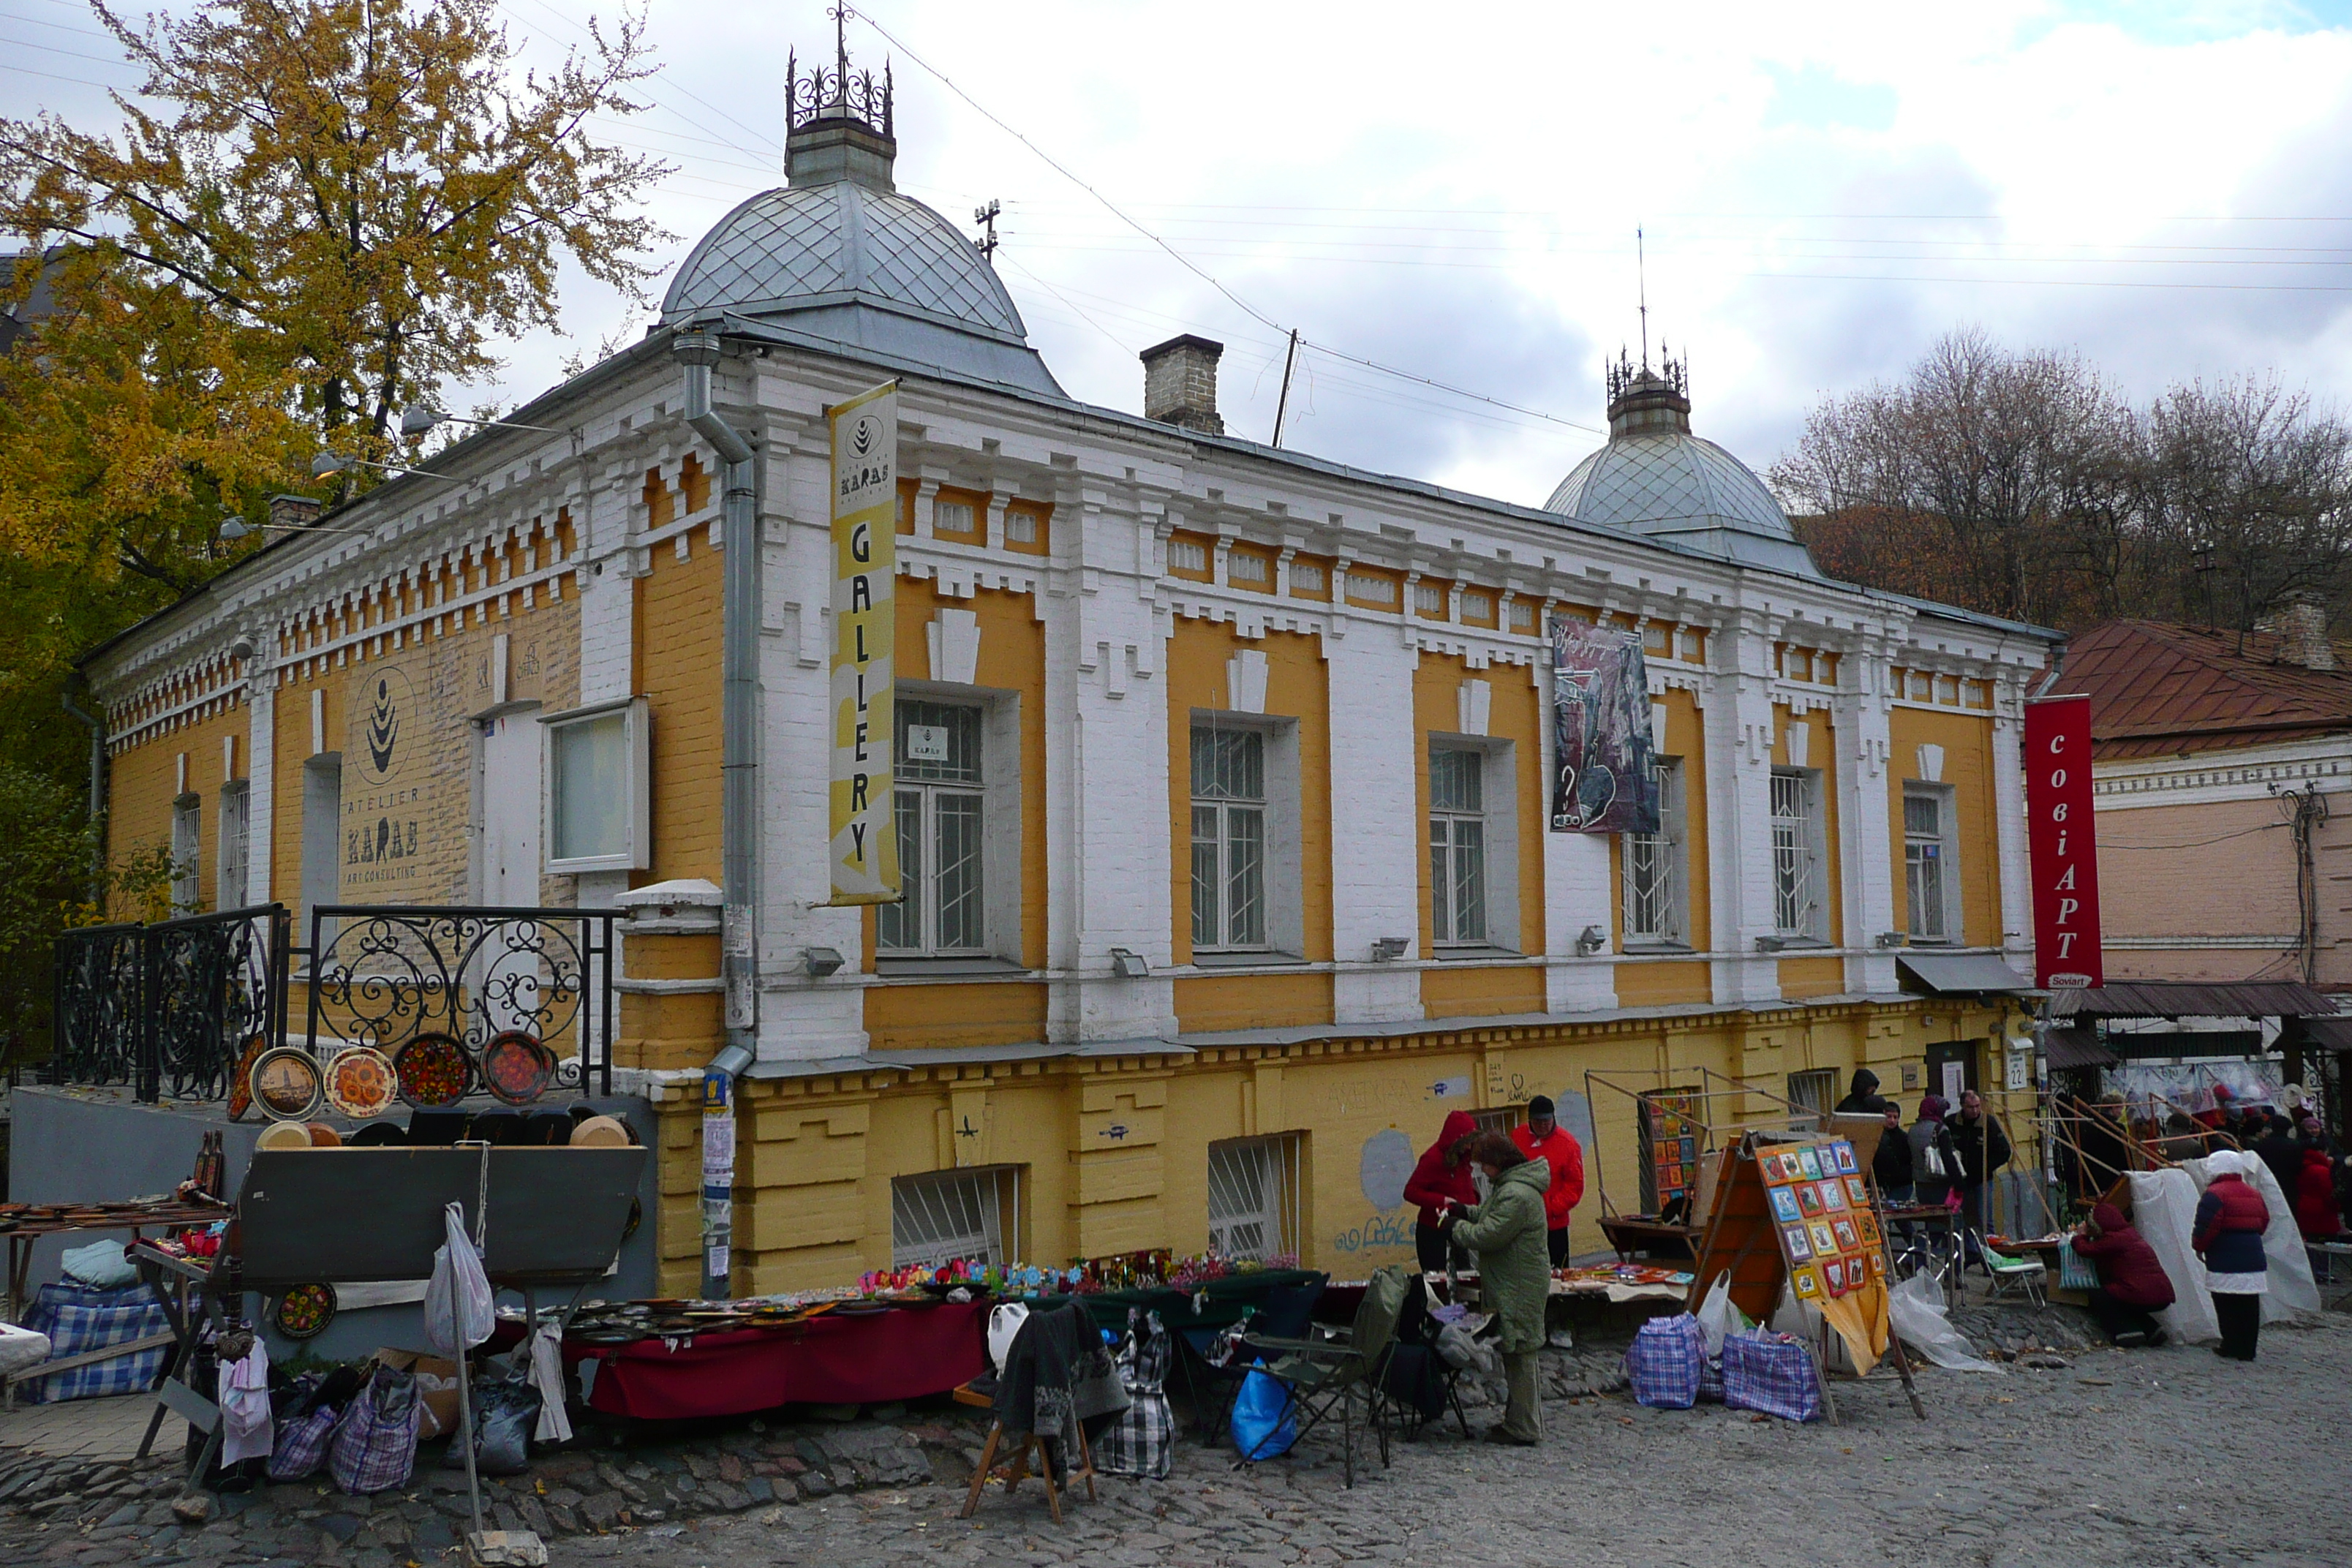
pixel 1226 1300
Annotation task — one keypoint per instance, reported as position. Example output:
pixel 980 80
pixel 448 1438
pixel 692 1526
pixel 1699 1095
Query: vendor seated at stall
pixel 2132 1283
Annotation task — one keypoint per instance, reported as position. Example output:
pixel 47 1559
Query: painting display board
pixel 1671 1147
pixel 1801 1212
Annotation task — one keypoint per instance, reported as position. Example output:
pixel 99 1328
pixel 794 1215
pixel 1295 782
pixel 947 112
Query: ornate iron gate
pixel 170 1007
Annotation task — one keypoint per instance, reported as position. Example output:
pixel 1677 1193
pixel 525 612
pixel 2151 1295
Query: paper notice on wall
pixel 863 837
pixel 718 1150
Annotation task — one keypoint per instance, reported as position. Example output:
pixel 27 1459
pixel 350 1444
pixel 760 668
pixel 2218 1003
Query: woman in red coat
pixel 2132 1283
pixel 1442 1177
pixel 2314 1194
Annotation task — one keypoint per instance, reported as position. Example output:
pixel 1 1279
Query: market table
pixel 33 1221
pixel 1212 1305
pixel 829 1358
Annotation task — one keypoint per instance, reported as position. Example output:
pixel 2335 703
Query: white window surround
pixel 188 853
pixel 235 840
pixel 619 837
pixel 1800 878
pixel 1286 923
pixel 1254 1196
pixel 943 1216
pixel 1499 787
pixel 1656 869
pixel 1931 863
pixel 1000 823
pixel 322 835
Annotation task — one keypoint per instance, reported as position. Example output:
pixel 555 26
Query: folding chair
pixel 2006 1276
pixel 1319 1376
pixel 1416 1327
pixel 1286 1313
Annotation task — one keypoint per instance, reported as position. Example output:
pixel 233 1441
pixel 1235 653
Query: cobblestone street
pixel 2152 1457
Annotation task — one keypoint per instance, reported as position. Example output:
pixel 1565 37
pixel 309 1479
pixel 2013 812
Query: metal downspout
pixel 97 796
pixel 698 353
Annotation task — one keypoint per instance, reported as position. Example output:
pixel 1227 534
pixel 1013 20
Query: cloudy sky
pixel 1452 192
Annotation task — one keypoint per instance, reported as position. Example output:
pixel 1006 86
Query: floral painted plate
pixel 305 1310
pixel 286 1083
pixel 360 1083
pixel 516 1067
pixel 434 1071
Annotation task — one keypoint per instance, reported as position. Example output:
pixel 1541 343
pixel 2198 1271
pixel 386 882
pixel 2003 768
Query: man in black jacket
pixel 1891 1167
pixel 1983 1149
pixel 1863 1098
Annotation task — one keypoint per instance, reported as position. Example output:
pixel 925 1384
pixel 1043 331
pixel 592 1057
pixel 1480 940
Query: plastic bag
pixel 1665 1362
pixel 504 1415
pixel 374 1444
pixel 1916 1310
pixel 101 1266
pixel 1462 1349
pixel 1264 1424
pixel 457 1314
pixel 1005 1327
pixel 1718 1316
pixel 1770 1373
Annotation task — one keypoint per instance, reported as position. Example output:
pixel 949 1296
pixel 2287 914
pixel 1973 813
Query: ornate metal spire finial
pixel 839 93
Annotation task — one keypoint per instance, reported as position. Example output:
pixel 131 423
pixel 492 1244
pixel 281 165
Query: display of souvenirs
pixel 1833 1275
pixel 1856 1193
pixel 286 1083
pixel 434 1070
pixel 1867 1223
pixel 1808 1198
pixel 1806 1281
pixel 1784 1204
pixel 1834 1195
pixel 360 1082
pixel 1845 1152
pixel 1849 1239
pixel 1794 1239
pixel 1791 1169
pixel 516 1067
pixel 1808 1164
pixel 240 1081
pixel 1672 1153
pixel 1824 1238
pixel 305 1310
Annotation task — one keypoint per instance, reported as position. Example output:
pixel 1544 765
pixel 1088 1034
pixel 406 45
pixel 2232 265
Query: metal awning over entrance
pixel 2170 999
pixel 2079 1047
pixel 2328 1033
pixel 1958 975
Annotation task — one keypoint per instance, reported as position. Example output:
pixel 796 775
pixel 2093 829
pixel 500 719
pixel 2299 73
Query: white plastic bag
pixel 1718 1316
pixel 457 1313
pixel 1916 1309
pixel 1005 1327
pixel 2164 1212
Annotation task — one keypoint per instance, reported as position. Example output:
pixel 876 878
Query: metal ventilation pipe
pixel 697 350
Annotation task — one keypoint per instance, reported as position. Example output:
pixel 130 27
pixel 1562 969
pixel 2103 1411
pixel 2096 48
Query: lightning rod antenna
pixel 1642 292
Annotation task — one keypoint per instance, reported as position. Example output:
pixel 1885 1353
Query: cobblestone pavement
pixel 2146 1458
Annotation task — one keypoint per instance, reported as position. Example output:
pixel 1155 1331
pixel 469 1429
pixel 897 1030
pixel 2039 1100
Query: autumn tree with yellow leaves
pixel 313 212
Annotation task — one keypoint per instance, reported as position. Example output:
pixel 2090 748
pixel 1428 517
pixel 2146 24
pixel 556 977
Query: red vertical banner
pixel 2061 844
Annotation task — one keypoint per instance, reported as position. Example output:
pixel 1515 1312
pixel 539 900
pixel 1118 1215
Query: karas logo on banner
pixel 2061 844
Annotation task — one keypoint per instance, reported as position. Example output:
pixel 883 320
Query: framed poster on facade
pixel 1603 780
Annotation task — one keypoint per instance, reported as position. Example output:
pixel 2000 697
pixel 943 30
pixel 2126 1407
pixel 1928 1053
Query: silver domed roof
pixel 1655 478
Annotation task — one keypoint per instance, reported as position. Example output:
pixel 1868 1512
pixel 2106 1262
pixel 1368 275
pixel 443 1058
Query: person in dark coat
pixel 1863 1098
pixel 1935 1164
pixel 2228 1235
pixel 1890 1167
pixel 1983 1149
pixel 2278 1149
pixel 1442 1177
pixel 2132 1283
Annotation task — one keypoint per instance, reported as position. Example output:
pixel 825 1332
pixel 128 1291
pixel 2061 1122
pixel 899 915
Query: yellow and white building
pixel 1221 773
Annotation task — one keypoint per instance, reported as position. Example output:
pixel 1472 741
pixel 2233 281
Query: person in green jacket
pixel 1507 1234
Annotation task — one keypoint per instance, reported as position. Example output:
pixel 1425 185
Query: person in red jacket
pixel 2316 1213
pixel 2228 1235
pixel 2132 1283
pixel 1442 1177
pixel 1542 1139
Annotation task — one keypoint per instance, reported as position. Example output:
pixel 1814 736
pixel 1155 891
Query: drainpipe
pixel 697 351
pixel 97 796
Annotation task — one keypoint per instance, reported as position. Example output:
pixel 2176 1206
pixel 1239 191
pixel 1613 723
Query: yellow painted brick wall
pixel 141 785
pixel 677 615
pixel 1967 740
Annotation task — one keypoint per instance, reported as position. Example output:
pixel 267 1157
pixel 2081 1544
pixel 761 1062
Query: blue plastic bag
pixel 1264 1423
pixel 1665 1363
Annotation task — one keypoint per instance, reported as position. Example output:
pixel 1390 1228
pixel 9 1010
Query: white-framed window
pixel 1500 1118
pixel 1186 556
pixel 1800 896
pixel 1930 868
pixel 1429 598
pixel 952 517
pixel 235 840
pixel 1458 846
pixel 1229 838
pixel 1307 577
pixel 1654 865
pixel 1477 606
pixel 941 806
pixel 599 785
pixel 1254 1196
pixel 187 848
pixel 1242 567
pixel 974 1215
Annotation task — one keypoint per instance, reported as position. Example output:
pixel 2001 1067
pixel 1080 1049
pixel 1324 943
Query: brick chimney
pixel 292 512
pixel 1179 384
pixel 2300 621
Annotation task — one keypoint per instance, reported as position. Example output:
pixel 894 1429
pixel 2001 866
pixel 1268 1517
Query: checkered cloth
pixel 1665 1361
pixel 1142 1440
pixel 374 1444
pixel 78 1320
pixel 1772 1374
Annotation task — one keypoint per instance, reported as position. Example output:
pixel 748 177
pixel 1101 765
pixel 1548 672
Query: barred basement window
pixel 971 1214
pixel 1254 1196
pixel 1815 1090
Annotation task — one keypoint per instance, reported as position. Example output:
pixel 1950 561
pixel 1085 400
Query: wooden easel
pixel 1027 1445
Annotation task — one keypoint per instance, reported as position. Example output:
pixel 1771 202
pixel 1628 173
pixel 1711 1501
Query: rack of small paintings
pixel 1821 1210
pixel 1679 1129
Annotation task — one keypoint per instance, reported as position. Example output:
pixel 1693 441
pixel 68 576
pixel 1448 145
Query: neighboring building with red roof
pixel 2209 745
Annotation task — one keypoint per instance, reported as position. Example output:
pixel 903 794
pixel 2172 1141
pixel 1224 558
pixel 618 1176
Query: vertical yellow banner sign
pixel 864 636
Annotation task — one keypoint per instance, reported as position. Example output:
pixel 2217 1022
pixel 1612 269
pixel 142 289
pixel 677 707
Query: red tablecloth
pixel 826 1359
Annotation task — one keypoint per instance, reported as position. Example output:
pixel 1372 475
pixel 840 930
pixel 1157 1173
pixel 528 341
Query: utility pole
pixel 1282 403
pixel 986 218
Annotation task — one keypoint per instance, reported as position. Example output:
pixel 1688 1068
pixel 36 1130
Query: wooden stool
pixel 1026 1445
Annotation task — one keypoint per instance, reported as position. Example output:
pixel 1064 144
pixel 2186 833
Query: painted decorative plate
pixel 305 1310
pixel 360 1082
pixel 240 1082
pixel 286 1083
pixel 434 1071
pixel 516 1067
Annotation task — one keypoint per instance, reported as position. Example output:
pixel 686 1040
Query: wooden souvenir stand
pixel 1764 1241
pixel 1684 1127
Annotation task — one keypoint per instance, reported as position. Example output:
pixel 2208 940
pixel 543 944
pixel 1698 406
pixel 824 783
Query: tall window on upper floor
pixel 1458 846
pixel 235 837
pixel 1930 871
pixel 1799 881
pixel 942 804
pixel 1655 866
pixel 188 879
pixel 1229 838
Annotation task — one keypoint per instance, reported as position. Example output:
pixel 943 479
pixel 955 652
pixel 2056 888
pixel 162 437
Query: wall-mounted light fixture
pixel 1389 949
pixel 822 961
pixel 1591 940
pixel 1129 965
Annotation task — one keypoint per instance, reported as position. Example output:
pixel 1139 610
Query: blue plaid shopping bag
pixel 1667 1358
pixel 78 1321
pixel 1771 1372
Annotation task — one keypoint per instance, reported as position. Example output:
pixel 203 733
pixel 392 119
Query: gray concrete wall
pixel 79 1145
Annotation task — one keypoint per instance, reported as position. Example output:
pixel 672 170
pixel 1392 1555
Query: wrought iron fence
pixel 382 974
pixel 170 1006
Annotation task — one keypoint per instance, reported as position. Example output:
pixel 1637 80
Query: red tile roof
pixel 2161 691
